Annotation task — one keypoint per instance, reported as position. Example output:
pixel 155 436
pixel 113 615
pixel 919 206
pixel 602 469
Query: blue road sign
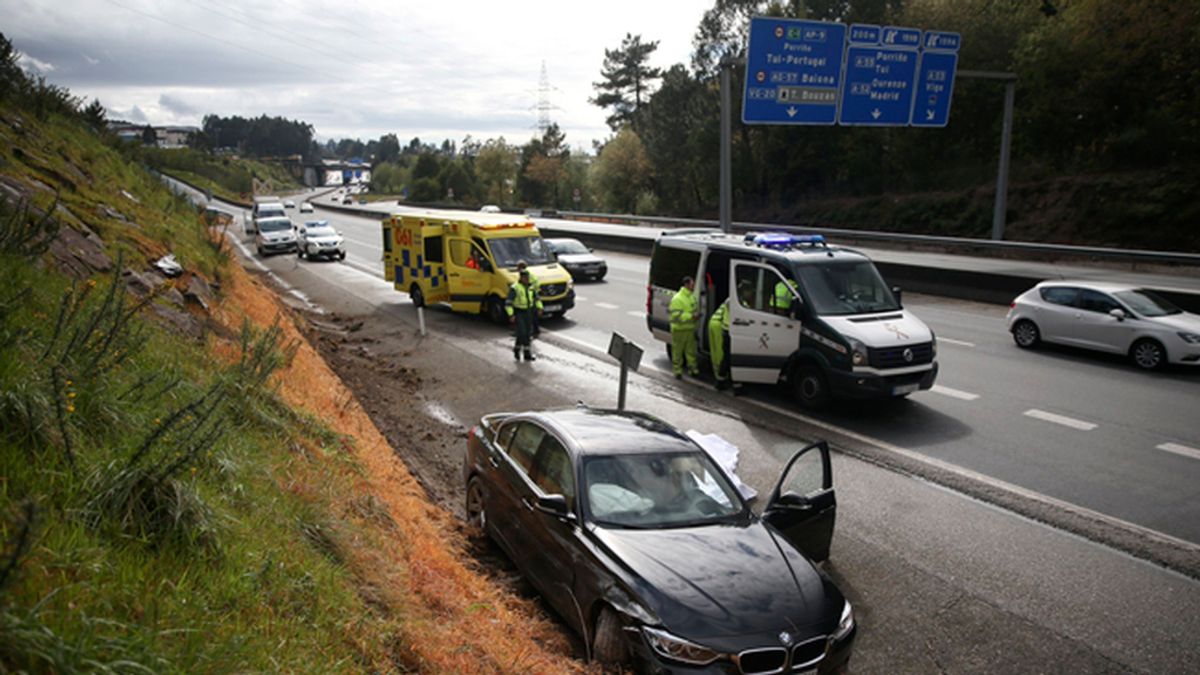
pixel 793 71
pixel 878 87
pixel 935 80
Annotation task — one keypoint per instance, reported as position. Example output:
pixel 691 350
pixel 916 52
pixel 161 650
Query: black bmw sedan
pixel 642 544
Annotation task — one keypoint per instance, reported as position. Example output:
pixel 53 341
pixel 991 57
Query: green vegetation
pixel 157 505
pixel 229 178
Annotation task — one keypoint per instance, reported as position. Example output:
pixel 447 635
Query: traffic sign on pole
pixel 793 71
pixel 878 87
pixel 935 79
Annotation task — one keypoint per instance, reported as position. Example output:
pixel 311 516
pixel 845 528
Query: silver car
pixel 317 238
pixel 1107 317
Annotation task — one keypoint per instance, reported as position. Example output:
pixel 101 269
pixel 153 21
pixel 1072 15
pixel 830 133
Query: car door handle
pixel 741 322
pixel 528 504
pixel 492 459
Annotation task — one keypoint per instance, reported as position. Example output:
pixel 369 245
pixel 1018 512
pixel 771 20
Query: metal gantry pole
pixel 1001 213
pixel 726 197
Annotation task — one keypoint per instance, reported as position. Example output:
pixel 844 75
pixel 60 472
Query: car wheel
pixel 418 298
pixel 300 252
pixel 1148 354
pixel 495 311
pixel 260 252
pixel 810 386
pixel 476 506
pixel 1026 334
pixel 342 255
pixel 608 642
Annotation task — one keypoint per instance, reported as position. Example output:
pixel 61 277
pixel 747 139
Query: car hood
pixel 1186 322
pixel 881 330
pixel 324 238
pixel 715 582
pixel 578 258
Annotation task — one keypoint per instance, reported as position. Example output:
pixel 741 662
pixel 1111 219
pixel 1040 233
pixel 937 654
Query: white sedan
pixel 306 207
pixel 1106 317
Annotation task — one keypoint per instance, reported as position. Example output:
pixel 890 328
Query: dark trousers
pixel 524 320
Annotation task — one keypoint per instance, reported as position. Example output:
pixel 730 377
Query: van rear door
pixel 760 340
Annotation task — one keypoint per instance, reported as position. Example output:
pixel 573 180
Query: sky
pixel 351 69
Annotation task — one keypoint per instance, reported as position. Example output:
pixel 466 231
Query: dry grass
pixel 437 614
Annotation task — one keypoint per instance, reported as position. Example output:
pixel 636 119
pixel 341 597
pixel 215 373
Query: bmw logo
pixel 786 638
pixel 908 355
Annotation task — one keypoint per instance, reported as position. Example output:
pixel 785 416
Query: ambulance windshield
pixel 846 288
pixel 508 251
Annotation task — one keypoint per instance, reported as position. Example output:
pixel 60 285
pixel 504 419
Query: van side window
pixel 433 249
pixel 756 288
pixel 460 251
pixel 669 266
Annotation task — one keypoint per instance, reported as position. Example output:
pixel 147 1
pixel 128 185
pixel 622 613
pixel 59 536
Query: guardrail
pixel 1057 251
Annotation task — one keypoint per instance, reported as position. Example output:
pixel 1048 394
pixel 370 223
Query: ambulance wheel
pixel 418 298
pixel 495 311
pixel 810 386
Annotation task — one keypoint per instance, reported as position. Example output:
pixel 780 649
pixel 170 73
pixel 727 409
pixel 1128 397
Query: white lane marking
pixel 373 271
pixel 606 305
pixel 291 290
pixel 601 350
pixel 580 298
pixel 1060 419
pixel 1180 450
pixel 960 343
pixel 637 314
pixel 954 393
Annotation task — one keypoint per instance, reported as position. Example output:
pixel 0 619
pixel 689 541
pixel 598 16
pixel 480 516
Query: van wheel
pixel 810 386
pixel 608 644
pixel 495 311
pixel 418 298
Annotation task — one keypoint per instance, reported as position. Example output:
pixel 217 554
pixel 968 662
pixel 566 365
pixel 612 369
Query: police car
pixel 816 317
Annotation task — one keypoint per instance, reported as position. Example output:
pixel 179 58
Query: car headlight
pixel 677 649
pixel 858 352
pixel 1190 338
pixel 846 623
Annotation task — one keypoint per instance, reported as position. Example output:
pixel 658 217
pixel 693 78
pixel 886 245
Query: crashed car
pixel 643 545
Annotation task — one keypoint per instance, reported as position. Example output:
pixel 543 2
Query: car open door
pixel 469 274
pixel 802 507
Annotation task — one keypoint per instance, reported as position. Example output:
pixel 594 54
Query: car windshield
pixel 274 225
pixel 272 212
pixel 852 287
pixel 651 491
pixel 1147 303
pixel 508 251
pixel 568 246
pixel 319 230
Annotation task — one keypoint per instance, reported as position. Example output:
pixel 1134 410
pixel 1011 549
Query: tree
pixel 495 169
pixel 626 80
pixel 388 149
pixel 148 136
pixel 621 173
pixel 94 115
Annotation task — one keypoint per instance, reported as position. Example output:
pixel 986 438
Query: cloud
pixel 90 60
pixel 177 106
pixel 134 115
pixel 34 66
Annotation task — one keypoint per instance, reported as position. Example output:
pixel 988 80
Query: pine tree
pixel 626 80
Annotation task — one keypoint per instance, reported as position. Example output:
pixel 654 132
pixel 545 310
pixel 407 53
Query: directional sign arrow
pixel 791 111
pixel 876 113
pixel 929 115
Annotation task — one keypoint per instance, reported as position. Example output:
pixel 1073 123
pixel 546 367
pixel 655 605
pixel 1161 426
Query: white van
pixel 833 329
pixel 264 207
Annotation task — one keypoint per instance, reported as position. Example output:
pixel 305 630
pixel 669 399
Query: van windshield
pixel 852 287
pixel 508 251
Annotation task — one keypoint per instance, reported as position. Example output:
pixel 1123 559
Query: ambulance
pixel 469 259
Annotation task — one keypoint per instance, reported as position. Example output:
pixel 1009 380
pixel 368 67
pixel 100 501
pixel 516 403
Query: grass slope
pixel 211 504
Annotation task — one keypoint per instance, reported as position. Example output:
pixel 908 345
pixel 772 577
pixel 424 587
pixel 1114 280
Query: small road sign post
pixel 629 355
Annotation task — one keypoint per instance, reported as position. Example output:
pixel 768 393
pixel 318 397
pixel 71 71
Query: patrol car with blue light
pixel 816 317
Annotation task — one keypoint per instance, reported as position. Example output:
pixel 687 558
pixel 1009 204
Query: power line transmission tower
pixel 544 106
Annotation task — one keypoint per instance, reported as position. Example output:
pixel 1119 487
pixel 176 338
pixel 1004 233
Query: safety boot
pixel 529 356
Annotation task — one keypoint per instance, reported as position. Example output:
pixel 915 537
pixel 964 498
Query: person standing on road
pixel 684 313
pixel 718 344
pixel 523 307
pixel 537 288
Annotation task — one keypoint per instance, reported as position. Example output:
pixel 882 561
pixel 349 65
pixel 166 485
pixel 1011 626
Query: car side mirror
pixel 896 292
pixel 797 309
pixel 1117 313
pixel 554 505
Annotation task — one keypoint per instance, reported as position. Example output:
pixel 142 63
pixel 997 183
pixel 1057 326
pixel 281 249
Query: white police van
pixel 819 318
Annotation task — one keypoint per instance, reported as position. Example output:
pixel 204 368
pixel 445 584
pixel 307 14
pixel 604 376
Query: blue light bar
pixel 773 240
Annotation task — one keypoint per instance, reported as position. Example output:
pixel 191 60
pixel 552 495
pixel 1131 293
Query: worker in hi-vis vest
pixel 684 311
